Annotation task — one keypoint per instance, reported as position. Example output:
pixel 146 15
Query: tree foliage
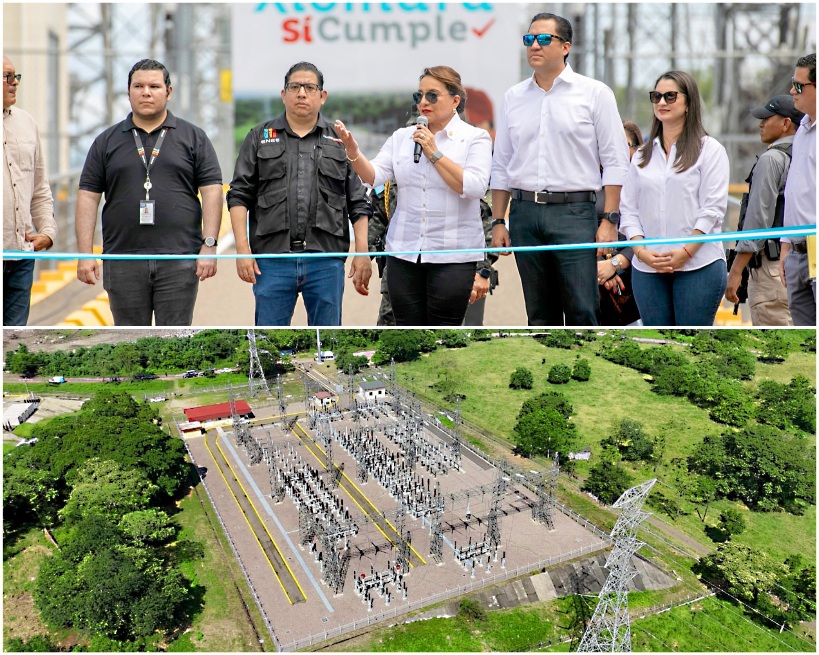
pixel 607 481
pixel 543 432
pixel 731 522
pixel 582 370
pixel 631 440
pixel 740 570
pixel 787 406
pixel 521 378
pixel 763 467
pixel 559 374
pixel 403 345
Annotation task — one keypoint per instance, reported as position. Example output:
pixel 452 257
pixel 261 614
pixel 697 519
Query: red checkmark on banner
pixel 480 33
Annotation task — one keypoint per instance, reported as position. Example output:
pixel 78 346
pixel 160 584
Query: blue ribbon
pixel 745 235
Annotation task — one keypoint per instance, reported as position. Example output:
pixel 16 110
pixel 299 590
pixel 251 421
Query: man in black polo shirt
pixel 150 167
pixel 292 174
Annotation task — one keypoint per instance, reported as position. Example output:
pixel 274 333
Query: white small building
pixel 324 399
pixel 19 412
pixel 583 454
pixel 372 391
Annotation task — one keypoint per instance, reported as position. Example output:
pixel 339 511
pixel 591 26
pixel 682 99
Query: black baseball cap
pixel 782 105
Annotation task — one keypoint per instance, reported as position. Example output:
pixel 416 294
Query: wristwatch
pixel 435 156
pixel 498 221
pixel 210 242
pixel 485 273
pixel 615 261
pixel 612 217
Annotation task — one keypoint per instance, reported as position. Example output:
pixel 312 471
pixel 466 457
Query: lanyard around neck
pixel 148 163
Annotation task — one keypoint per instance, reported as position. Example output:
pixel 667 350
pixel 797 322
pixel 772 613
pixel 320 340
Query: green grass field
pixel 222 626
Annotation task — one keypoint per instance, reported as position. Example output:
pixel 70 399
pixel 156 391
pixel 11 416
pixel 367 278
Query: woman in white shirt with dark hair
pixel 438 206
pixel 677 186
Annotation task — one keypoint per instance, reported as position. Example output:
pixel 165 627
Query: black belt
pixel 800 246
pixel 554 197
pixel 297 246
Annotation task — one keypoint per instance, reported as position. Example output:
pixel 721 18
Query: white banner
pixel 381 47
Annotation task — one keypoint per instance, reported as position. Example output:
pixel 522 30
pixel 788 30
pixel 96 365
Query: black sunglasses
pixel 542 39
pixel 8 77
pixel 670 97
pixel 431 96
pixel 797 86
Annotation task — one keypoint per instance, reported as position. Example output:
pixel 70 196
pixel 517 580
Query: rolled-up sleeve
pixel 630 225
pixel 713 191
pixel 478 166
pixel 383 163
pixel 611 139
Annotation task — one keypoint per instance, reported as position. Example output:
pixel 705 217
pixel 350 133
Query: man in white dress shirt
pixel 800 197
pixel 550 168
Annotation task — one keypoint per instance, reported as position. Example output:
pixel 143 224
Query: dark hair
pixel 562 26
pixel 635 136
pixel 150 65
pixel 451 79
pixel 305 66
pixel 809 62
pixel 689 145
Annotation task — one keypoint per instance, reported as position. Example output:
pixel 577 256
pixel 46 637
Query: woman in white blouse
pixel 439 205
pixel 677 186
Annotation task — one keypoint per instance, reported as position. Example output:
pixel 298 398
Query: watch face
pixel 210 242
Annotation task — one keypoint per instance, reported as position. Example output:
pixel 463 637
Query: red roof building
pixel 216 412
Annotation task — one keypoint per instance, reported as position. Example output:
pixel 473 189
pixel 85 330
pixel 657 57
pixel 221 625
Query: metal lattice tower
pixel 543 508
pixel 276 482
pixel 436 542
pixel 493 534
pixel 255 379
pixel 351 385
pixel 307 525
pixel 392 377
pixel 609 630
pixel 403 557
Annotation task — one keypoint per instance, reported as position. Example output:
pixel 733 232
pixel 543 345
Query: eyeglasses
pixel 670 97
pixel 431 96
pixel 8 77
pixel 542 39
pixel 309 88
pixel 798 86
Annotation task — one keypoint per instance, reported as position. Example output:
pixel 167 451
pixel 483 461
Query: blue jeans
pixel 18 275
pixel 319 279
pixel 684 298
pixel 559 286
pixel 801 289
pixel 162 289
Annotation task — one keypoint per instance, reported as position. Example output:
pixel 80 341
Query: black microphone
pixel 416 155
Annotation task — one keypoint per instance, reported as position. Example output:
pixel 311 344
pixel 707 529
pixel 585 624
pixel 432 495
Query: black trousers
pixel 429 294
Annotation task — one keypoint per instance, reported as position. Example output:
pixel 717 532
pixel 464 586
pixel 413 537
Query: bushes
pixel 521 378
pixel 607 481
pixel 559 374
pixel 582 370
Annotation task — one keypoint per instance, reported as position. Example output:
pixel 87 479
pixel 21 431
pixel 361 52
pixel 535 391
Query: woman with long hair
pixel 439 204
pixel 677 186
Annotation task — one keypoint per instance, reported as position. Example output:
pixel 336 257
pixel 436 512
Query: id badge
pixel 146 212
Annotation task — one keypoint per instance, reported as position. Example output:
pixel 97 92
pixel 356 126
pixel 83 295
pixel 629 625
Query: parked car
pixel 144 376
pixel 189 374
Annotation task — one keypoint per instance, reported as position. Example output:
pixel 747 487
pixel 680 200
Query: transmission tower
pixel 276 482
pixel 609 630
pixel 307 524
pixel 436 542
pixel 543 508
pixel 256 379
pixel 403 558
pixel 392 377
pixel 493 535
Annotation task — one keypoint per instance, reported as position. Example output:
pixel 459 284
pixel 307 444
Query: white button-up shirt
pixel 27 203
pixel 800 189
pixel 557 140
pixel 661 203
pixel 429 215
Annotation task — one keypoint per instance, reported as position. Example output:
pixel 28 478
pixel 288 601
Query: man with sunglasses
pixel 800 197
pixel 555 132
pixel 762 209
pixel 28 209
pixel 293 178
